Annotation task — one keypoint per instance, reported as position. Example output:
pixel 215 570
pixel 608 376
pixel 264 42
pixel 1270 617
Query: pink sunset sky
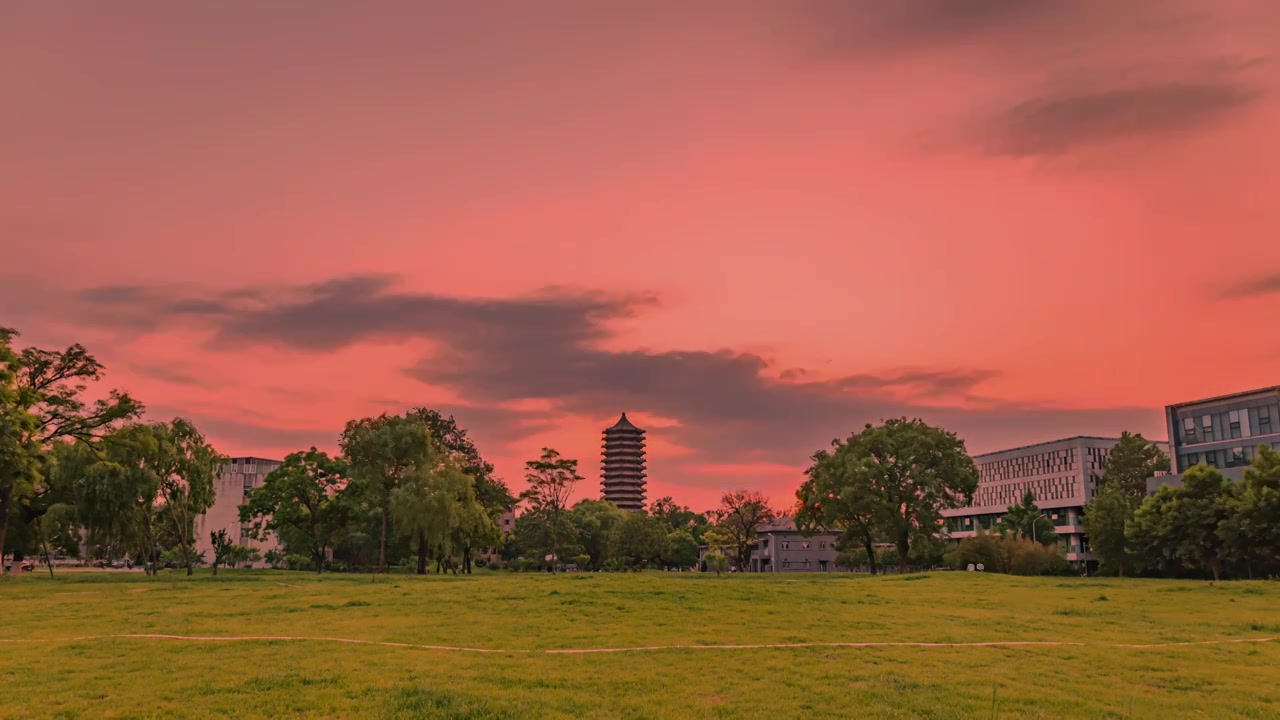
pixel 754 226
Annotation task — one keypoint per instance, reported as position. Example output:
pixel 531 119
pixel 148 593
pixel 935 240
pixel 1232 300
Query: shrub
pixel 481 563
pixel 1009 555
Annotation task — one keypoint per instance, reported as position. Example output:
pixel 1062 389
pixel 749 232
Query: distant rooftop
pixel 1259 391
pixel 1049 442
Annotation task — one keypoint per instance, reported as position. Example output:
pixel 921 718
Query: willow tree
pixel 42 401
pixel 383 452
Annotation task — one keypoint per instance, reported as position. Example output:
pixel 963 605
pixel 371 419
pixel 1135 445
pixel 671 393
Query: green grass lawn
pixel 62 667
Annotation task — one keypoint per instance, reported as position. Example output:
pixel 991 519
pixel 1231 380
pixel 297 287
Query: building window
pixel 1264 421
pixel 786 546
pixel 244 535
pixel 1206 427
pixel 1233 418
pixel 822 546
pixel 1237 457
pixel 1211 458
pixel 1191 459
pixel 764 544
pixel 804 545
pixel 1188 430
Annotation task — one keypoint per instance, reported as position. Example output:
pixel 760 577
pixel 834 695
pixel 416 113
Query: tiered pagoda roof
pixel 622 465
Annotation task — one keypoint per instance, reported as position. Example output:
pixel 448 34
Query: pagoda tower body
pixel 622 467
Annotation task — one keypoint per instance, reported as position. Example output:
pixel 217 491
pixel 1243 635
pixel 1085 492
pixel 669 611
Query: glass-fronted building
pixel 1224 432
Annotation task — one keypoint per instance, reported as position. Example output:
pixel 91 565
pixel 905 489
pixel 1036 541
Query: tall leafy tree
pixel 426 508
pixel 678 517
pixel 740 514
pixel 1026 520
pixel 1252 527
pixel 838 494
pixel 382 452
pixel 490 491
pixel 118 496
pixel 1131 461
pixel 303 502
pixel 914 471
pixel 42 400
pixel 185 465
pixel 641 539
pixel 551 479
pixel 1181 524
pixel 681 549
pixel 595 523
pixel 1107 518
pixel 720 543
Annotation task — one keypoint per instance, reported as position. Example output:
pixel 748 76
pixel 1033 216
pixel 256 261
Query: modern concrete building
pixel 1223 431
pixel 622 465
pixel 232 484
pixel 1062 474
pixel 780 547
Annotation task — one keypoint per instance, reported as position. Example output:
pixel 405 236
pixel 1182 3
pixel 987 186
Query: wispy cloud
pixel 1252 287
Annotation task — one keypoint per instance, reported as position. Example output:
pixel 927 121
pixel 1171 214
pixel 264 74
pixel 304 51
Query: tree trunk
pixel 422 553
pixel 1215 567
pixel 466 560
pixel 319 557
pixel 215 569
pixel 5 496
pixel 186 558
pixel 904 548
pixel 48 558
pixel 382 545
pixel 871 552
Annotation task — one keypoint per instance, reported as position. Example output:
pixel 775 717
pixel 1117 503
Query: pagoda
pixel 622 467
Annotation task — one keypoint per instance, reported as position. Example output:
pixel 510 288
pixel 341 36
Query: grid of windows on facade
pixel 1053 461
pixel 1220 425
pixel 1097 458
pixel 1060 517
pixel 1225 458
pixel 1053 488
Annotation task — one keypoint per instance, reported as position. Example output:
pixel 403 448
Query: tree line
pixel 1208 525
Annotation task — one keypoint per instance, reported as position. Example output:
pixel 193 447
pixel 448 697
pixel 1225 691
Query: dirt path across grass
pixel 648 648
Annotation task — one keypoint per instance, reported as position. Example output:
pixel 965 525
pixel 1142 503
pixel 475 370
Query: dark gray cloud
pixel 1252 287
pixel 858 27
pixel 236 436
pixel 1056 123
pixel 176 374
pixel 547 347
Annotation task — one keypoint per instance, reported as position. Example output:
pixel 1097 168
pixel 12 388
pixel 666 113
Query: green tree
pixel 595 523
pixel 1026 520
pixel 551 479
pixel 1131 461
pixel 116 497
pixel 910 471
pixel 740 514
pixel 41 402
pixel 641 539
pixel 678 517
pixel 720 542
pixel 490 491
pixel 1181 524
pixel 838 494
pixel 221 549
pixel 1107 518
pixel 185 465
pixel 381 453
pixel 425 509
pixel 682 549
pixel 1251 529
pixel 304 503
